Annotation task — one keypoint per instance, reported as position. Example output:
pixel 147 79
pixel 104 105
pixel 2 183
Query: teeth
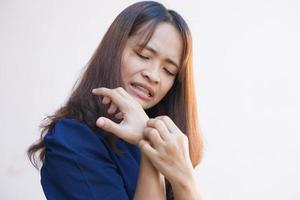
pixel 144 90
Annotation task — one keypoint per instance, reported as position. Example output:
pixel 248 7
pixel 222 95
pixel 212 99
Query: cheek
pixel 166 87
pixel 130 66
pixel 126 70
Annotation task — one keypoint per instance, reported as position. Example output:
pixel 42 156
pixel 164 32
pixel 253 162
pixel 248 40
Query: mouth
pixel 142 91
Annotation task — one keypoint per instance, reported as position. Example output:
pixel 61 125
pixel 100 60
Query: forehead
pixel 165 40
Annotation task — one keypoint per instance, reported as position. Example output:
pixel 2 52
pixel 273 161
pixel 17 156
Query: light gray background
pixel 246 55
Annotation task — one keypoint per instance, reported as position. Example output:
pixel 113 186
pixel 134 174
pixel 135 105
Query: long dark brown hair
pixel 103 70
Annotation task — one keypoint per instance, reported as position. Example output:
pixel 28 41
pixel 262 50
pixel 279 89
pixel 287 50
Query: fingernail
pixel 94 90
pixel 100 122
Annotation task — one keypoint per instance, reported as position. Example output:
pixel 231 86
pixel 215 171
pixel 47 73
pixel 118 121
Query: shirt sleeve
pixel 78 165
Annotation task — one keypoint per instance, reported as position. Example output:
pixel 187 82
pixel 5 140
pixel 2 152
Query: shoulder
pixel 79 164
pixel 73 135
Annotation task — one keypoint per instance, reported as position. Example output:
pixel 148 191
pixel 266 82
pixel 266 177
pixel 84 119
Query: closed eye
pixel 168 72
pixel 141 56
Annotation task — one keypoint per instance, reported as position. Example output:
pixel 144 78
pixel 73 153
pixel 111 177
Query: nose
pixel 152 74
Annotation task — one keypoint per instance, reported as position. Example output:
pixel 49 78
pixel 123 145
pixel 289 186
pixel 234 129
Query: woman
pixel 130 124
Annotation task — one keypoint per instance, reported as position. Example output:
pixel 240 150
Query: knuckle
pixel 119 89
pixel 186 140
pixel 165 118
pixel 171 148
pixel 152 133
pixel 142 145
pixel 184 137
pixel 149 121
pixel 157 122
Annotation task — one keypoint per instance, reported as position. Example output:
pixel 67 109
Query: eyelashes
pixel 141 56
pixel 168 72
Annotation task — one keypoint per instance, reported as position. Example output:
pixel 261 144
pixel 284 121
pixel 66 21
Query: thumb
pixel 108 125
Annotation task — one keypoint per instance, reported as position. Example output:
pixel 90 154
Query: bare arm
pixel 151 184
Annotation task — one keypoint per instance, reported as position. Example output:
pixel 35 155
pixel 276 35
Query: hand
pixel 134 117
pixel 168 149
pixel 112 108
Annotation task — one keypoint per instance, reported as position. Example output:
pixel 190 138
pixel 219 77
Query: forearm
pixel 150 183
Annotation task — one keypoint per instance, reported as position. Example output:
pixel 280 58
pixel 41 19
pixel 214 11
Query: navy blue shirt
pixel 79 164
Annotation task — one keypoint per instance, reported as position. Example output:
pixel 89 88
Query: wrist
pixel 185 181
pixel 187 189
pixel 143 119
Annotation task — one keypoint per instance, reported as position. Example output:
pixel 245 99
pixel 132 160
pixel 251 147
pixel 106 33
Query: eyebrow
pixel 167 59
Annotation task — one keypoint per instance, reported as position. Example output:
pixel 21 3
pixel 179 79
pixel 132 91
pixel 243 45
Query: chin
pixel 143 104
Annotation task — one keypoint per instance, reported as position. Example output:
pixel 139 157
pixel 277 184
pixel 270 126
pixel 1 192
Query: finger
pixel 146 148
pixel 153 136
pixel 112 108
pixel 171 126
pixel 160 127
pixel 123 92
pixel 110 126
pixel 106 100
pixel 119 115
pixel 115 96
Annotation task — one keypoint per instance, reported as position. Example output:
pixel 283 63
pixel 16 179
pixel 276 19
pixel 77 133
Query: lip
pixel 140 93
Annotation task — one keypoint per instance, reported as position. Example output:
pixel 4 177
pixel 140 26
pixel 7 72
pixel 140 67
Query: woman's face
pixel 148 74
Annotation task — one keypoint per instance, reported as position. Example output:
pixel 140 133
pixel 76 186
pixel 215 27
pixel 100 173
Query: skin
pixel 155 65
pixel 164 147
pixel 167 148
